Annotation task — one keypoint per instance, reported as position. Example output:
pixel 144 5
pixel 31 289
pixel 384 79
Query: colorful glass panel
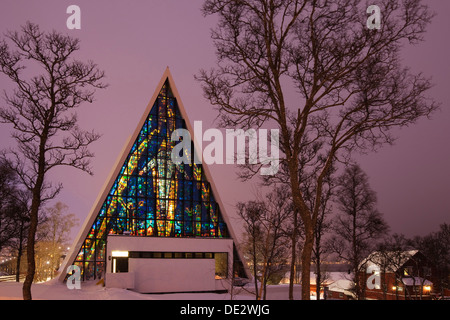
pixel 151 195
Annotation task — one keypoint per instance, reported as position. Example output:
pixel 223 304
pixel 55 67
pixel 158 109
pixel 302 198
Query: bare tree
pixel 264 221
pixel 249 213
pixel 14 212
pixel 323 226
pixel 436 247
pixel 55 234
pixel 41 110
pixel 358 224
pixel 274 248
pixel 8 204
pixel 315 71
pixel 22 219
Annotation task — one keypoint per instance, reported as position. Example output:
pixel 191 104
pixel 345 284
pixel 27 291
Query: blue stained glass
pixel 153 146
pixel 151 208
pixel 142 165
pixel 188 190
pixel 179 216
pixel 154 110
pixel 134 147
pixel 103 210
pixel 141 186
pixel 142 135
pixel 122 207
pixel 180 190
pixel 179 116
pixel 180 172
pixel 162 127
pixel 178 228
pixel 150 192
pixel 179 123
pixel 188 171
pixel 141 208
pixel 205 229
pixel 114 188
pixel 197 192
pixel 205 211
pixel 152 123
pixel 131 187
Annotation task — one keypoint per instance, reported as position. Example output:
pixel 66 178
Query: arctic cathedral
pixel 158 226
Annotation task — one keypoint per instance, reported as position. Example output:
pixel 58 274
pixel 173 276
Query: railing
pixel 11 278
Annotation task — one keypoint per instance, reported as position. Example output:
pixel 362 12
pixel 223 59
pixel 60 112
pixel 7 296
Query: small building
pixel 397 275
pixel 157 225
pixel 340 289
pixel 336 285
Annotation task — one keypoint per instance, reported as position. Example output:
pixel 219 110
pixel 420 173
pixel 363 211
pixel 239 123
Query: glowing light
pixel 119 253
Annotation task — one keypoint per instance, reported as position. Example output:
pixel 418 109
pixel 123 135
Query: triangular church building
pixel 158 226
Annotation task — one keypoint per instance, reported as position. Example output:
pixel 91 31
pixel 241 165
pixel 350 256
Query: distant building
pixel 335 285
pixel 397 275
pixel 392 275
pixel 158 226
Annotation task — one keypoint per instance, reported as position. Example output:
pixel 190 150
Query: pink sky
pixel 134 41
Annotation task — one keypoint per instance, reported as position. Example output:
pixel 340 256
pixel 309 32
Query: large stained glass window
pixel 152 196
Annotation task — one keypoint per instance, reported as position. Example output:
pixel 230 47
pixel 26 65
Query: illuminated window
pixel 407 271
pixel 221 259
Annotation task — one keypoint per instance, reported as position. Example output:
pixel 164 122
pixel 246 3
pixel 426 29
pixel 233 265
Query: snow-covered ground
pixel 53 290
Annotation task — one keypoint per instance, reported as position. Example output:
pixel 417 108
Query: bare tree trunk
pixel 19 251
pixel 293 257
pixel 266 261
pixel 255 269
pixel 35 204
pixel 306 263
pixel 31 264
pixel 318 279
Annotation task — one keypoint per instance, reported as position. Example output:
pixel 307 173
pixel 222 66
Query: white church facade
pixel 158 226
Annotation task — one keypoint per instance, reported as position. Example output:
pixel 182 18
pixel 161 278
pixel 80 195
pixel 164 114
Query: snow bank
pixel 59 291
pixel 54 290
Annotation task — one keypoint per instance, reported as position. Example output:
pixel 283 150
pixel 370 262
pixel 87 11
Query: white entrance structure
pixel 174 265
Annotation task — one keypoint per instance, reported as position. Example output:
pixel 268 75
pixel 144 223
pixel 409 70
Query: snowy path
pixel 53 290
